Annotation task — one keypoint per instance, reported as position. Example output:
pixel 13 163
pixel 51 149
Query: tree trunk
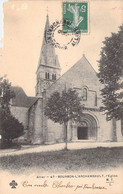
pixel 65 132
pixel 114 131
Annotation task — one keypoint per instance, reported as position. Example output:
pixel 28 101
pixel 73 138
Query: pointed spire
pixel 48 63
pixel 47 55
pixel 57 62
pixel 47 25
pixel 47 11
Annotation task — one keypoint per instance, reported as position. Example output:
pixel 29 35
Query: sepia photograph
pixel 61 97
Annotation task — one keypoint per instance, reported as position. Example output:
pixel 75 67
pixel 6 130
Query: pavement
pixel 55 147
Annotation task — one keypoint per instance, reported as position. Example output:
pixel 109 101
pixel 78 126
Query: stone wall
pixel 118 131
pixel 103 133
pixel 31 124
pixel 80 75
pixel 20 113
pixel 38 123
pixel 55 132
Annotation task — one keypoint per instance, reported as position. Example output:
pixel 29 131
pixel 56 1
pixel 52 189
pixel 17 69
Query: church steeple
pixel 48 67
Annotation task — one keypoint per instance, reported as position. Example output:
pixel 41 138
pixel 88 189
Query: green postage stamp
pixel 75 17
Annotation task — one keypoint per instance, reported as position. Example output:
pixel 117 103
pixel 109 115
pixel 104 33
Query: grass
pixel 65 161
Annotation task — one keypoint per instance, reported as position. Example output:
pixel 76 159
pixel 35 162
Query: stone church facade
pixel 81 77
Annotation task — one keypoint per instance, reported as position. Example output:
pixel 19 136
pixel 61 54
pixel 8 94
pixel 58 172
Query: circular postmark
pixel 60 39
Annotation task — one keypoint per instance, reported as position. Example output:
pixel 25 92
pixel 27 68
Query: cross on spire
pixel 47 11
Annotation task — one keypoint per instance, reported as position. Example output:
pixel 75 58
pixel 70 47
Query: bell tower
pixel 48 70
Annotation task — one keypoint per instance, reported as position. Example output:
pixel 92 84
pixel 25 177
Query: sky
pixel 23 30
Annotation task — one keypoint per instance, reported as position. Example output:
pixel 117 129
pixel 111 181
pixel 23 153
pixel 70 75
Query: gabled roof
pixel 21 99
pixel 79 75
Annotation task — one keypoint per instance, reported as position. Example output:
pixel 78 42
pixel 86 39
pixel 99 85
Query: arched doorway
pixel 82 131
pixel 87 128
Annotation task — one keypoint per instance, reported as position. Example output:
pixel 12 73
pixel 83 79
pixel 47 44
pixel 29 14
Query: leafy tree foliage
pixel 9 126
pixel 6 94
pixel 64 106
pixel 111 75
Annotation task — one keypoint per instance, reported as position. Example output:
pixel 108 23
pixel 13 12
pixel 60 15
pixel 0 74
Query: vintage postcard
pixel 61 97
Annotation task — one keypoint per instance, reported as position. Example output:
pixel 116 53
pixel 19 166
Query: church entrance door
pixel 83 132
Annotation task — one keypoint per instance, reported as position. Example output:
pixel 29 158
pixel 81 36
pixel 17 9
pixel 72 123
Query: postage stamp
pixel 75 16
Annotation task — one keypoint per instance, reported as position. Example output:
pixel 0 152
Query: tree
pixel 9 126
pixel 6 94
pixel 64 106
pixel 111 75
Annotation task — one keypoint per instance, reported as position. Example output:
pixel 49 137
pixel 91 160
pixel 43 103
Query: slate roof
pixel 21 99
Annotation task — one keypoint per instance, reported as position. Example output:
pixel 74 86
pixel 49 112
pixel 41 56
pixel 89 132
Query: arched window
pixel 53 76
pixel 45 75
pixel 85 94
pixel 48 76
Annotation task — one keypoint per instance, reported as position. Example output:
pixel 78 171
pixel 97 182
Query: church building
pixel 80 77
